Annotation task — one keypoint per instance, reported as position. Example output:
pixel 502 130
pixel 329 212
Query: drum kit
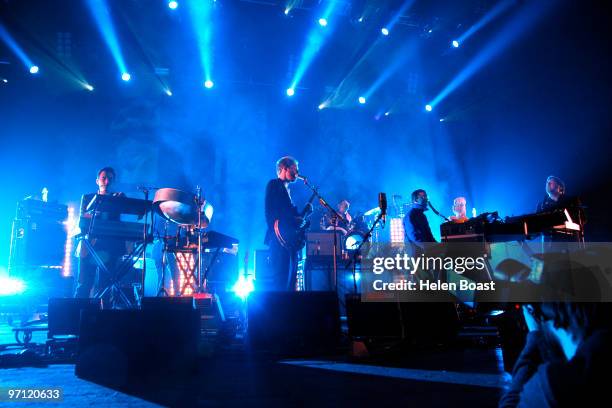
pixel 192 215
pixel 356 230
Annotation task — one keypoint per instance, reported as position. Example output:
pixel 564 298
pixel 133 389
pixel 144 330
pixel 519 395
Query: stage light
pixel 126 77
pixel 323 22
pixel 173 4
pixel 521 22
pixel 11 286
pixel 455 43
pixel 243 286
pixel 168 92
pixel 88 87
pixel 290 91
pixel 201 13
pixel 362 100
pixel 428 108
pixel 101 13
pixel 384 31
pixel 34 69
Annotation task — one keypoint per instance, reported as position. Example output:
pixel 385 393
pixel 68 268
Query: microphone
pixel 382 204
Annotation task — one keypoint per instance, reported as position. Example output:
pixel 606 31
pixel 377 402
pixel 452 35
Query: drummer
pixel 344 224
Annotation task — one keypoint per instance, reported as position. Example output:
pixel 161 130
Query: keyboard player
pixel 110 250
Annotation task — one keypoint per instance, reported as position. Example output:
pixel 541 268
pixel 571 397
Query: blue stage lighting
pixel 290 91
pixel 524 19
pixel 323 22
pixel 11 286
pixel 428 108
pixel 126 77
pixel 243 286
pixel 173 4
pixel 209 84
pixel 102 15
pixel 455 43
pixel 34 69
pixel 384 31
pixel 362 100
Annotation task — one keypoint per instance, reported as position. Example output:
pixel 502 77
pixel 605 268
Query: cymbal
pixel 178 206
pixel 373 211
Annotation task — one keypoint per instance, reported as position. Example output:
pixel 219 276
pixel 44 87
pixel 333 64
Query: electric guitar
pixel 292 235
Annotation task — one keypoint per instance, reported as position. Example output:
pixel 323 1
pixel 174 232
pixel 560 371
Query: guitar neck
pixel 310 200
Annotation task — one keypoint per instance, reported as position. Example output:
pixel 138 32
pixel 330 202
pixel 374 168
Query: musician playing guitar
pixel 286 225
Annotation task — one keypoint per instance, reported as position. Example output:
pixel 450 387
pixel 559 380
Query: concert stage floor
pixel 461 377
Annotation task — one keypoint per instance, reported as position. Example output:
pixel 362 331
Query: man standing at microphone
pixel 280 211
pixel 416 227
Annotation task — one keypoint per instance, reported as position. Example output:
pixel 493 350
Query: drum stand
pixel 335 217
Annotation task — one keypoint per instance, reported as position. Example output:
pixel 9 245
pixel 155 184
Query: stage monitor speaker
pixel 65 314
pixel 184 303
pixel 293 323
pixel 425 323
pixel 132 348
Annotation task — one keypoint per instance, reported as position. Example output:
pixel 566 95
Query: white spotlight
pixel 126 77
pixel 34 69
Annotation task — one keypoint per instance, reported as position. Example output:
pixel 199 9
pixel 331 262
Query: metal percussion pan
pixel 178 206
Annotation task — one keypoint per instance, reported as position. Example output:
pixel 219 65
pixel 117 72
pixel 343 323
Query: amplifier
pixel 321 244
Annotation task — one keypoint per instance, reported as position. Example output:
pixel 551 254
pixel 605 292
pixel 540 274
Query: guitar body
pixel 290 236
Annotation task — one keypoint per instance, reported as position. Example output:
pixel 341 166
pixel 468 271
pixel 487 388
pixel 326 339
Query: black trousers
pixel 283 264
pixel 111 253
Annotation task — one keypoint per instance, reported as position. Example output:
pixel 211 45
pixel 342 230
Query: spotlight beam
pixel 201 19
pixel 314 42
pixel 525 18
pixel 12 44
pixel 101 14
pixel 499 8
pixel 407 4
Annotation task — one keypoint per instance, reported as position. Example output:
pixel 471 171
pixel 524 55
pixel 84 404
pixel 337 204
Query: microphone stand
pixel 436 212
pixel 335 217
pixel 357 251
